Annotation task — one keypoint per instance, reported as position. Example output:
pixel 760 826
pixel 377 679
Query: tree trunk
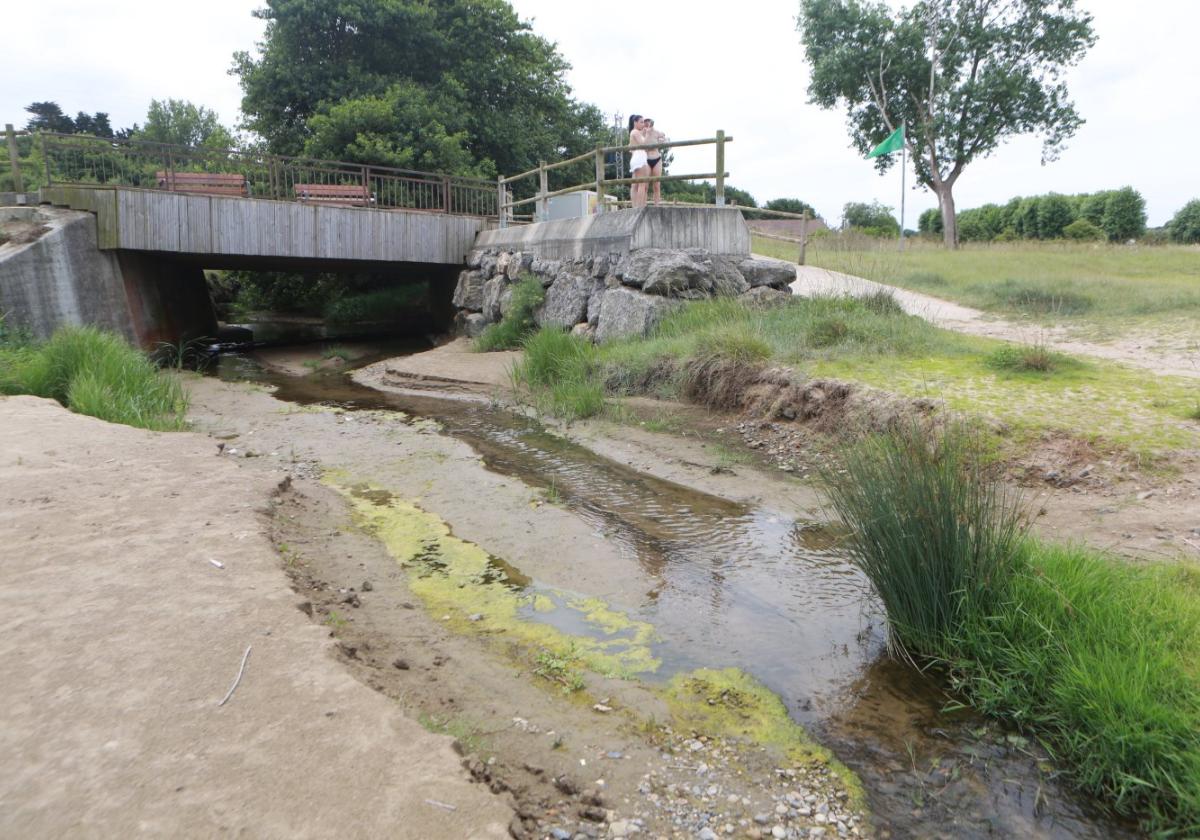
pixel 945 196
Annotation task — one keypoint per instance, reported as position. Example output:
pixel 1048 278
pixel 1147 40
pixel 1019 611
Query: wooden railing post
pixel 803 236
pixel 500 209
pixel 600 208
pixel 543 188
pixel 720 168
pixel 446 193
pixel 45 157
pixel 14 157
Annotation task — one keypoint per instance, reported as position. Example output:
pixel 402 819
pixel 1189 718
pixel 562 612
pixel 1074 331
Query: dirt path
pixel 121 636
pixel 1161 356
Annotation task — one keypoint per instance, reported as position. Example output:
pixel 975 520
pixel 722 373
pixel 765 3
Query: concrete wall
pixel 63 278
pixel 153 220
pixel 717 230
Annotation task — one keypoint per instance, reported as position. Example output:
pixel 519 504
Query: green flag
pixel 893 143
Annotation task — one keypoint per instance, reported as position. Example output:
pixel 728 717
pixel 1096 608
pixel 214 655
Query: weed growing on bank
pixel 561 372
pixel 1093 656
pixel 95 373
pixel 517 323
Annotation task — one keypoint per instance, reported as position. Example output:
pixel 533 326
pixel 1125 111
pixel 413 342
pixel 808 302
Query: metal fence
pixel 83 160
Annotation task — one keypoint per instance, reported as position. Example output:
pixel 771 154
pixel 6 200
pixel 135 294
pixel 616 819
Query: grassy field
pixel 872 341
pixel 1098 288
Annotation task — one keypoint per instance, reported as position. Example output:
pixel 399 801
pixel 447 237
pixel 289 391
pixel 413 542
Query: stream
pixel 745 586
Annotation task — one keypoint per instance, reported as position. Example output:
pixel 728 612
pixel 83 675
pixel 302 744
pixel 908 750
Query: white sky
pixel 695 67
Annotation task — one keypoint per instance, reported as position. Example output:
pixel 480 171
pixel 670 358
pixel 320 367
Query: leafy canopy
pixel 180 122
pixel 996 72
pixel 1185 226
pixel 457 85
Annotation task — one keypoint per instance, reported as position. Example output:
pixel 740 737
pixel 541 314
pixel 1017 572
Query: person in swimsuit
pixel 639 166
pixel 654 158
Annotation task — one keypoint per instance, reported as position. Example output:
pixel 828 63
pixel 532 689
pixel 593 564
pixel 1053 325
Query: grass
pixel 872 342
pixel 518 323
pixel 1094 657
pixel 95 373
pixel 1113 286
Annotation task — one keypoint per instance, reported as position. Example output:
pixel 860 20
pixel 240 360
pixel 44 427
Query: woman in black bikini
pixel 653 135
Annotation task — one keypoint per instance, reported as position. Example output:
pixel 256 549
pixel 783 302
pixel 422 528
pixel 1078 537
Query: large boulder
pixel 468 294
pixel 566 301
pixel 775 274
pixel 492 290
pixel 724 278
pixel 519 263
pixel 625 311
pixel 662 272
pixel 596 300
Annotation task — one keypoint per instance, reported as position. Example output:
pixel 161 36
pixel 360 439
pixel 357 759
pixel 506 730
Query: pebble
pixel 706 834
pixel 779 832
pixel 560 834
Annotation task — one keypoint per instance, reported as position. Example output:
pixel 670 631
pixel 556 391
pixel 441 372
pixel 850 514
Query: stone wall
pixel 610 295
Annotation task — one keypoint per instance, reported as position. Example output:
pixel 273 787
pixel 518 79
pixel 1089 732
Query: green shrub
pixel 1184 227
pixel 1026 358
pixel 96 373
pixel 1033 298
pixel 1082 230
pixel 518 322
pixel 381 305
pixel 935 536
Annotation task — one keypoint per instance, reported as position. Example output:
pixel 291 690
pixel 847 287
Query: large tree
pixel 963 76
pixel 182 123
pixel 412 81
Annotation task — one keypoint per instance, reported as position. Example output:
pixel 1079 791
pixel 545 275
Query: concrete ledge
pixel 719 231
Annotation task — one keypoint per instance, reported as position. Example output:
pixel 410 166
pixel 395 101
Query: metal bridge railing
pixel 74 159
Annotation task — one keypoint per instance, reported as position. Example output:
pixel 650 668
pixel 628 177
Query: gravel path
pixel 1158 354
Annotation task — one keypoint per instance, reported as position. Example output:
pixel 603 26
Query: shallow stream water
pixel 749 587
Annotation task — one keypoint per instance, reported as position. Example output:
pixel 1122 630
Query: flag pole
pixel 903 173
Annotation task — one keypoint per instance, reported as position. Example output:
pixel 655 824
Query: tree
pixel 507 83
pixel 930 222
pixel 181 123
pixel 1124 214
pixel 1054 213
pixel 874 217
pixel 48 116
pixel 96 124
pixel 962 75
pixel 1184 227
pixel 792 205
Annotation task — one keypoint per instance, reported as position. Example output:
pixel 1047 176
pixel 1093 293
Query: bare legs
pixel 637 192
pixel 656 170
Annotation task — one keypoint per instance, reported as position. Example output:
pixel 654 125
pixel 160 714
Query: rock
pixel 764 297
pixel 774 274
pixel 662 272
pixel 506 297
pixel 600 266
pixel 473 324
pixel 475 258
pixel 566 301
pixel 546 269
pixel 566 785
pixel 400 665
pixel 560 834
pixel 595 298
pixel 367 586
pixel 706 834
pixel 762 819
pixel 625 312
pixel 593 813
pixel 492 290
pixel 586 331
pixel 468 294
pixel 779 832
pixel 502 262
pixel 518 264
pixel 725 279
pixel 487 266
pixel 620 828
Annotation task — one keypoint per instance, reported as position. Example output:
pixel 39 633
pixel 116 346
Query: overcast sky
pixel 734 66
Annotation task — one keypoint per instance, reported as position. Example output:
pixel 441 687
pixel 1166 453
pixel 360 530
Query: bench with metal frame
pixel 337 195
pixel 204 183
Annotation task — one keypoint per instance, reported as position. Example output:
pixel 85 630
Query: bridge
pixel 156 215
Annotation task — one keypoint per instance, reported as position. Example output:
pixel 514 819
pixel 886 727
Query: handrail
pixel 506 204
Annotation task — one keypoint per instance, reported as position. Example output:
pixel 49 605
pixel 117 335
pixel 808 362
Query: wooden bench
pixel 205 183
pixel 338 195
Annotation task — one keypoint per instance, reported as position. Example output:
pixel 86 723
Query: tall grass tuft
pixel 562 372
pixel 527 295
pixel 937 539
pixel 96 373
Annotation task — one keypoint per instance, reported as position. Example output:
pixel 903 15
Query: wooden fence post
pixel 446 192
pixel 599 179
pixel 500 210
pixel 720 168
pixel 14 157
pixel 45 157
pixel 803 235
pixel 543 188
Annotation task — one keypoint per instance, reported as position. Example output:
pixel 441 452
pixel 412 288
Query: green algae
pixel 731 704
pixel 484 595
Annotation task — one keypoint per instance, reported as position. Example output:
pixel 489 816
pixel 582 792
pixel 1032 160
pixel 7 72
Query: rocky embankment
pixel 609 296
